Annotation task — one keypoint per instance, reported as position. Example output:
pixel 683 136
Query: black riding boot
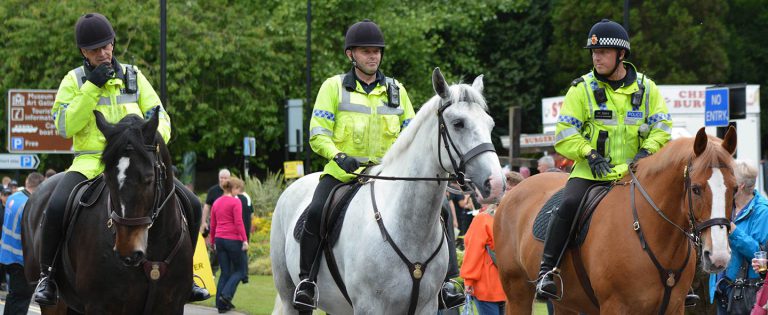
pixel 304 296
pixel 450 297
pixel 557 235
pixel 45 292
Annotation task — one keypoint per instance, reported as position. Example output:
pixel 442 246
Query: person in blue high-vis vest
pixel 11 256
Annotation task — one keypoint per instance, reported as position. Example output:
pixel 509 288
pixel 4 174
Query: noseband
pixel 157 205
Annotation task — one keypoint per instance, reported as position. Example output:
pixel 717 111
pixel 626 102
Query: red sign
pixel 30 123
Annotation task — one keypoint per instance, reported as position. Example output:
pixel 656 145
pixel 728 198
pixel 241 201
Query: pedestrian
pixel 227 236
pixel 115 90
pixel 11 255
pixel 481 276
pixel 590 132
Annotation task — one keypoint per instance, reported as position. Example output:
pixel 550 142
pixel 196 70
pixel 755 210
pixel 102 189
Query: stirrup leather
pixel 315 297
pixel 554 273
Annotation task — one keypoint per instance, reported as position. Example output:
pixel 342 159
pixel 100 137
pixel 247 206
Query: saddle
pixel 334 210
pixel 587 207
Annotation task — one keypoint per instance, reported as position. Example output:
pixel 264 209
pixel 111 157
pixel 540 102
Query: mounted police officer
pixel 116 90
pixel 611 117
pixel 356 118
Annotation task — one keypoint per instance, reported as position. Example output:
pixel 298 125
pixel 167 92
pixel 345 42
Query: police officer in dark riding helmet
pixel 116 90
pixel 611 117
pixel 378 108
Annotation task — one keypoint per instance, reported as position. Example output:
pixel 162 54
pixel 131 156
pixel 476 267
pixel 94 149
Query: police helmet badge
pixel 594 39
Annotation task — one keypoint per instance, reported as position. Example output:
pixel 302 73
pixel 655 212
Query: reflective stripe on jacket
pixel 579 124
pixel 360 124
pixel 73 113
pixel 10 250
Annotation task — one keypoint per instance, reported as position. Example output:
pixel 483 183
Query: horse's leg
pixel 519 295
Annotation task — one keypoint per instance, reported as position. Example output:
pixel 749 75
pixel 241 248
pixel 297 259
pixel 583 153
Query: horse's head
pixel 137 175
pixel 465 137
pixel 710 188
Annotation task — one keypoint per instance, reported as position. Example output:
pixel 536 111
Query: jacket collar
pixel 350 79
pixel 749 206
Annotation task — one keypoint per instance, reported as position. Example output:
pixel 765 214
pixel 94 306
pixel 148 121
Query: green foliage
pixel 264 194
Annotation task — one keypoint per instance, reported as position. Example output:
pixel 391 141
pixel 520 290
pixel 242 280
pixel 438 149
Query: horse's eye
pixel 696 190
pixel 458 123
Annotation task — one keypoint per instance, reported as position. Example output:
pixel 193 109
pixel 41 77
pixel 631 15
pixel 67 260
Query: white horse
pixel 377 280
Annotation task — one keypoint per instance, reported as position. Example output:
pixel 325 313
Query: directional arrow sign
pixel 19 161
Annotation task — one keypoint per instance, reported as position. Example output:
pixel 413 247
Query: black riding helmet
pixel 93 30
pixel 609 34
pixel 364 33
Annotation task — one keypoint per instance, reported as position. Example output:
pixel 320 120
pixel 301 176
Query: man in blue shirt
pixel 19 291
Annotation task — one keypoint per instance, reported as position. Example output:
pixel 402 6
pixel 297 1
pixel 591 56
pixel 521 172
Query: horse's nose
pixel 133 259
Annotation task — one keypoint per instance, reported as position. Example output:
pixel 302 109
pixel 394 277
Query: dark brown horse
pixel 688 180
pixel 131 234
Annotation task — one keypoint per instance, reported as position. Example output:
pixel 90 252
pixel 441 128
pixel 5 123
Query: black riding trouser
pixel 54 217
pixel 562 219
pixel 315 209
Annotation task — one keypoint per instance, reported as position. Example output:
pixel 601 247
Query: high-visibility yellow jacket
pixel 347 119
pixel 582 119
pixel 73 113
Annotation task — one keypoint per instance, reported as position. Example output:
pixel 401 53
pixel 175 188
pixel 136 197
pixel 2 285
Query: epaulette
pixel 576 81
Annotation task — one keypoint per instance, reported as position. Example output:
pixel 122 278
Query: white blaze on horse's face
pixel 122 167
pixel 719 253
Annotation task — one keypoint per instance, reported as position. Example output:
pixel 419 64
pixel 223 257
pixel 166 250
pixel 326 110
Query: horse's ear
pixel 700 144
pixel 478 83
pixel 438 83
pixel 150 127
pixel 729 141
pixel 101 123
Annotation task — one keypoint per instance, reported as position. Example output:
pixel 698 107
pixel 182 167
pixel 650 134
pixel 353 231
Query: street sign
pixel 716 107
pixel 19 161
pixel 249 146
pixel 293 169
pixel 30 124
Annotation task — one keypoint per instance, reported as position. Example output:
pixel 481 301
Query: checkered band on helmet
pixel 607 34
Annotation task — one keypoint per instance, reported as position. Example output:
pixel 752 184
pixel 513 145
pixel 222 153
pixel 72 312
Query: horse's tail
pixel 278 309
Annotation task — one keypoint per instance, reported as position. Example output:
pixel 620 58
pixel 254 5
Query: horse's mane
pixel 126 132
pixel 678 152
pixel 459 93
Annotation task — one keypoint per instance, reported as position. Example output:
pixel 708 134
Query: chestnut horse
pixel 690 186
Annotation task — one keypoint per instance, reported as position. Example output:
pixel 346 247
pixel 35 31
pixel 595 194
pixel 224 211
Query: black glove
pixel 346 162
pixel 640 154
pixel 101 74
pixel 598 164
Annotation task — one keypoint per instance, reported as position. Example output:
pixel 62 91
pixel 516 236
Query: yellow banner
pixel 293 169
pixel 201 267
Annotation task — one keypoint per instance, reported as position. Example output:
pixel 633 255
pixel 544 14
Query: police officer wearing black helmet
pixel 101 80
pixel 340 101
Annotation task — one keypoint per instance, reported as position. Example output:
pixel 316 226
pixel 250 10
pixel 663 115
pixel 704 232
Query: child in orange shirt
pixel 481 277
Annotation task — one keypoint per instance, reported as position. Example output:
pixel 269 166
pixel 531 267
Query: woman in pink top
pixel 229 242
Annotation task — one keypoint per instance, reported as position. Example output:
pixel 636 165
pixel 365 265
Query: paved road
pixel 189 309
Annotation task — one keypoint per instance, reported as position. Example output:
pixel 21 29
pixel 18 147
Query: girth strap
pixel 416 270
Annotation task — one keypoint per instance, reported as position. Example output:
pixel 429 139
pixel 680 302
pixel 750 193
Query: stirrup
pixel 554 273
pixel 315 297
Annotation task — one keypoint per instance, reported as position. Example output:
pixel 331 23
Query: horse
pixel 127 250
pixel 679 198
pixel 374 274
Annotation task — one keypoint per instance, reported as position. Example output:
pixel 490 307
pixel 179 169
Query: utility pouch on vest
pixel 131 80
pixel 393 93
pixel 602 139
pixel 600 96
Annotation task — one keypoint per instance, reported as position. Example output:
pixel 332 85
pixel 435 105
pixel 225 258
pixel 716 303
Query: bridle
pixel 159 201
pixel 454 154
pixel 670 277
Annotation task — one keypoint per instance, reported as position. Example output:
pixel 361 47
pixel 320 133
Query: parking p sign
pixel 716 107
